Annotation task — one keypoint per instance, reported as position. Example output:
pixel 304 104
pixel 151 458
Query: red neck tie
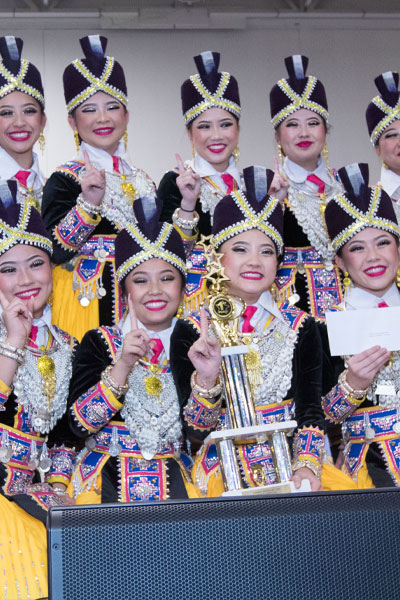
pixel 22 177
pixel 317 181
pixel 33 336
pixel 116 164
pixel 383 304
pixel 228 181
pixel 156 349
pixel 247 315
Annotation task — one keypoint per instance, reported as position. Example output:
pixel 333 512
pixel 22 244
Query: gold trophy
pixel 238 364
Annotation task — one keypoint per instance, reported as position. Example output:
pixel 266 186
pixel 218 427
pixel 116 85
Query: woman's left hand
pixel 205 355
pixel 306 473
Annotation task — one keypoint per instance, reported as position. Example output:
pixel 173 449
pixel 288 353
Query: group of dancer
pixel 110 368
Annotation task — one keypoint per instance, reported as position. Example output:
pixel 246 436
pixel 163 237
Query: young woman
pixel 36 445
pixel 299 112
pixel 247 230
pixel 365 235
pixel 22 121
pixel 125 404
pixel 190 193
pixel 88 200
pixel 384 129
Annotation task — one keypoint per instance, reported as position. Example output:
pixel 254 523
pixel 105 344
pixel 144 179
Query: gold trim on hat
pixel 252 220
pixel 298 102
pixel 98 84
pixel 11 236
pixel 392 113
pixel 151 249
pixel 16 82
pixel 362 220
pixel 211 100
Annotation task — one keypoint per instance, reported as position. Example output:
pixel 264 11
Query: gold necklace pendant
pixel 153 383
pixel 253 365
pixel 31 200
pixel 45 366
pixel 128 189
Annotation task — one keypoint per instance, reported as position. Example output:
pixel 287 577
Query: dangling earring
pixel 77 141
pixel 193 155
pixel 180 312
pixel 42 142
pixel 125 138
pixel 384 165
pixel 346 284
pixel 236 154
pixel 398 277
pixel 325 155
pixel 273 291
pixel 280 154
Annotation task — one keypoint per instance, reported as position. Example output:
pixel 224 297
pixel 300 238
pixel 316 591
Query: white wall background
pixel 346 59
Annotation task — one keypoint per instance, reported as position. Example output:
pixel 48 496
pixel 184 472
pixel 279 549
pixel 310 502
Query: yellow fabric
pixel 4 388
pixel 334 479
pixel 23 554
pixel 67 313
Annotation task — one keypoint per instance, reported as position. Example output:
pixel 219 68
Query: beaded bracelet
pixel 185 223
pixel 309 464
pixel 12 352
pixel 203 392
pixel 347 389
pixel 111 384
pixel 87 206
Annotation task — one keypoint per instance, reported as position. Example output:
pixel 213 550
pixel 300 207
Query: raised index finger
pixel 277 167
pixel 181 166
pixel 203 323
pixel 132 314
pixel 86 159
pixel 3 301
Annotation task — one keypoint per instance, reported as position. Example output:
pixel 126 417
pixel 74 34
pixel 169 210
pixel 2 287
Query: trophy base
pixel 253 432
pixel 274 488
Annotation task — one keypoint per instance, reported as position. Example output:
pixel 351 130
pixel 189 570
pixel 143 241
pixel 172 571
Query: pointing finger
pixel 181 166
pixel 88 164
pixel 132 314
pixel 203 323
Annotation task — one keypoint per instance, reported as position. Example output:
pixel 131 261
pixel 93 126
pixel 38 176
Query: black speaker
pixel 321 546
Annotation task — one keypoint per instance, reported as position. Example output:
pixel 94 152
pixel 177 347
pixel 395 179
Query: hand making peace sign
pixel 188 183
pixel 93 183
pixel 17 317
pixel 205 355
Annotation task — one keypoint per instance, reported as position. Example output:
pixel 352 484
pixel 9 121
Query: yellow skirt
pixel 23 554
pixel 67 312
pixel 332 479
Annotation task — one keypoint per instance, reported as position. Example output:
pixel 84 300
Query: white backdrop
pixel 157 61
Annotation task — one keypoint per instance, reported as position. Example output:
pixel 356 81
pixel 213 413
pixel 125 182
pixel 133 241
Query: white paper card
pixel 352 331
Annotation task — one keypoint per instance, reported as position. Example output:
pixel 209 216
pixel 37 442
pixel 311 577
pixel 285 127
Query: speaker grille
pixel 311 547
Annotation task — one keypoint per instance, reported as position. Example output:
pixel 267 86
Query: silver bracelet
pixel 185 223
pixel 203 392
pixel 348 390
pixel 87 206
pixel 12 352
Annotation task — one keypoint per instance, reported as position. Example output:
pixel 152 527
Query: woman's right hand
pixel 17 318
pixel 93 183
pixel 279 186
pixel 363 367
pixel 205 355
pixel 136 342
pixel 188 183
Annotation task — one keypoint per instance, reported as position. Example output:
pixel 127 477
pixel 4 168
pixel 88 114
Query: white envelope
pixel 352 331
